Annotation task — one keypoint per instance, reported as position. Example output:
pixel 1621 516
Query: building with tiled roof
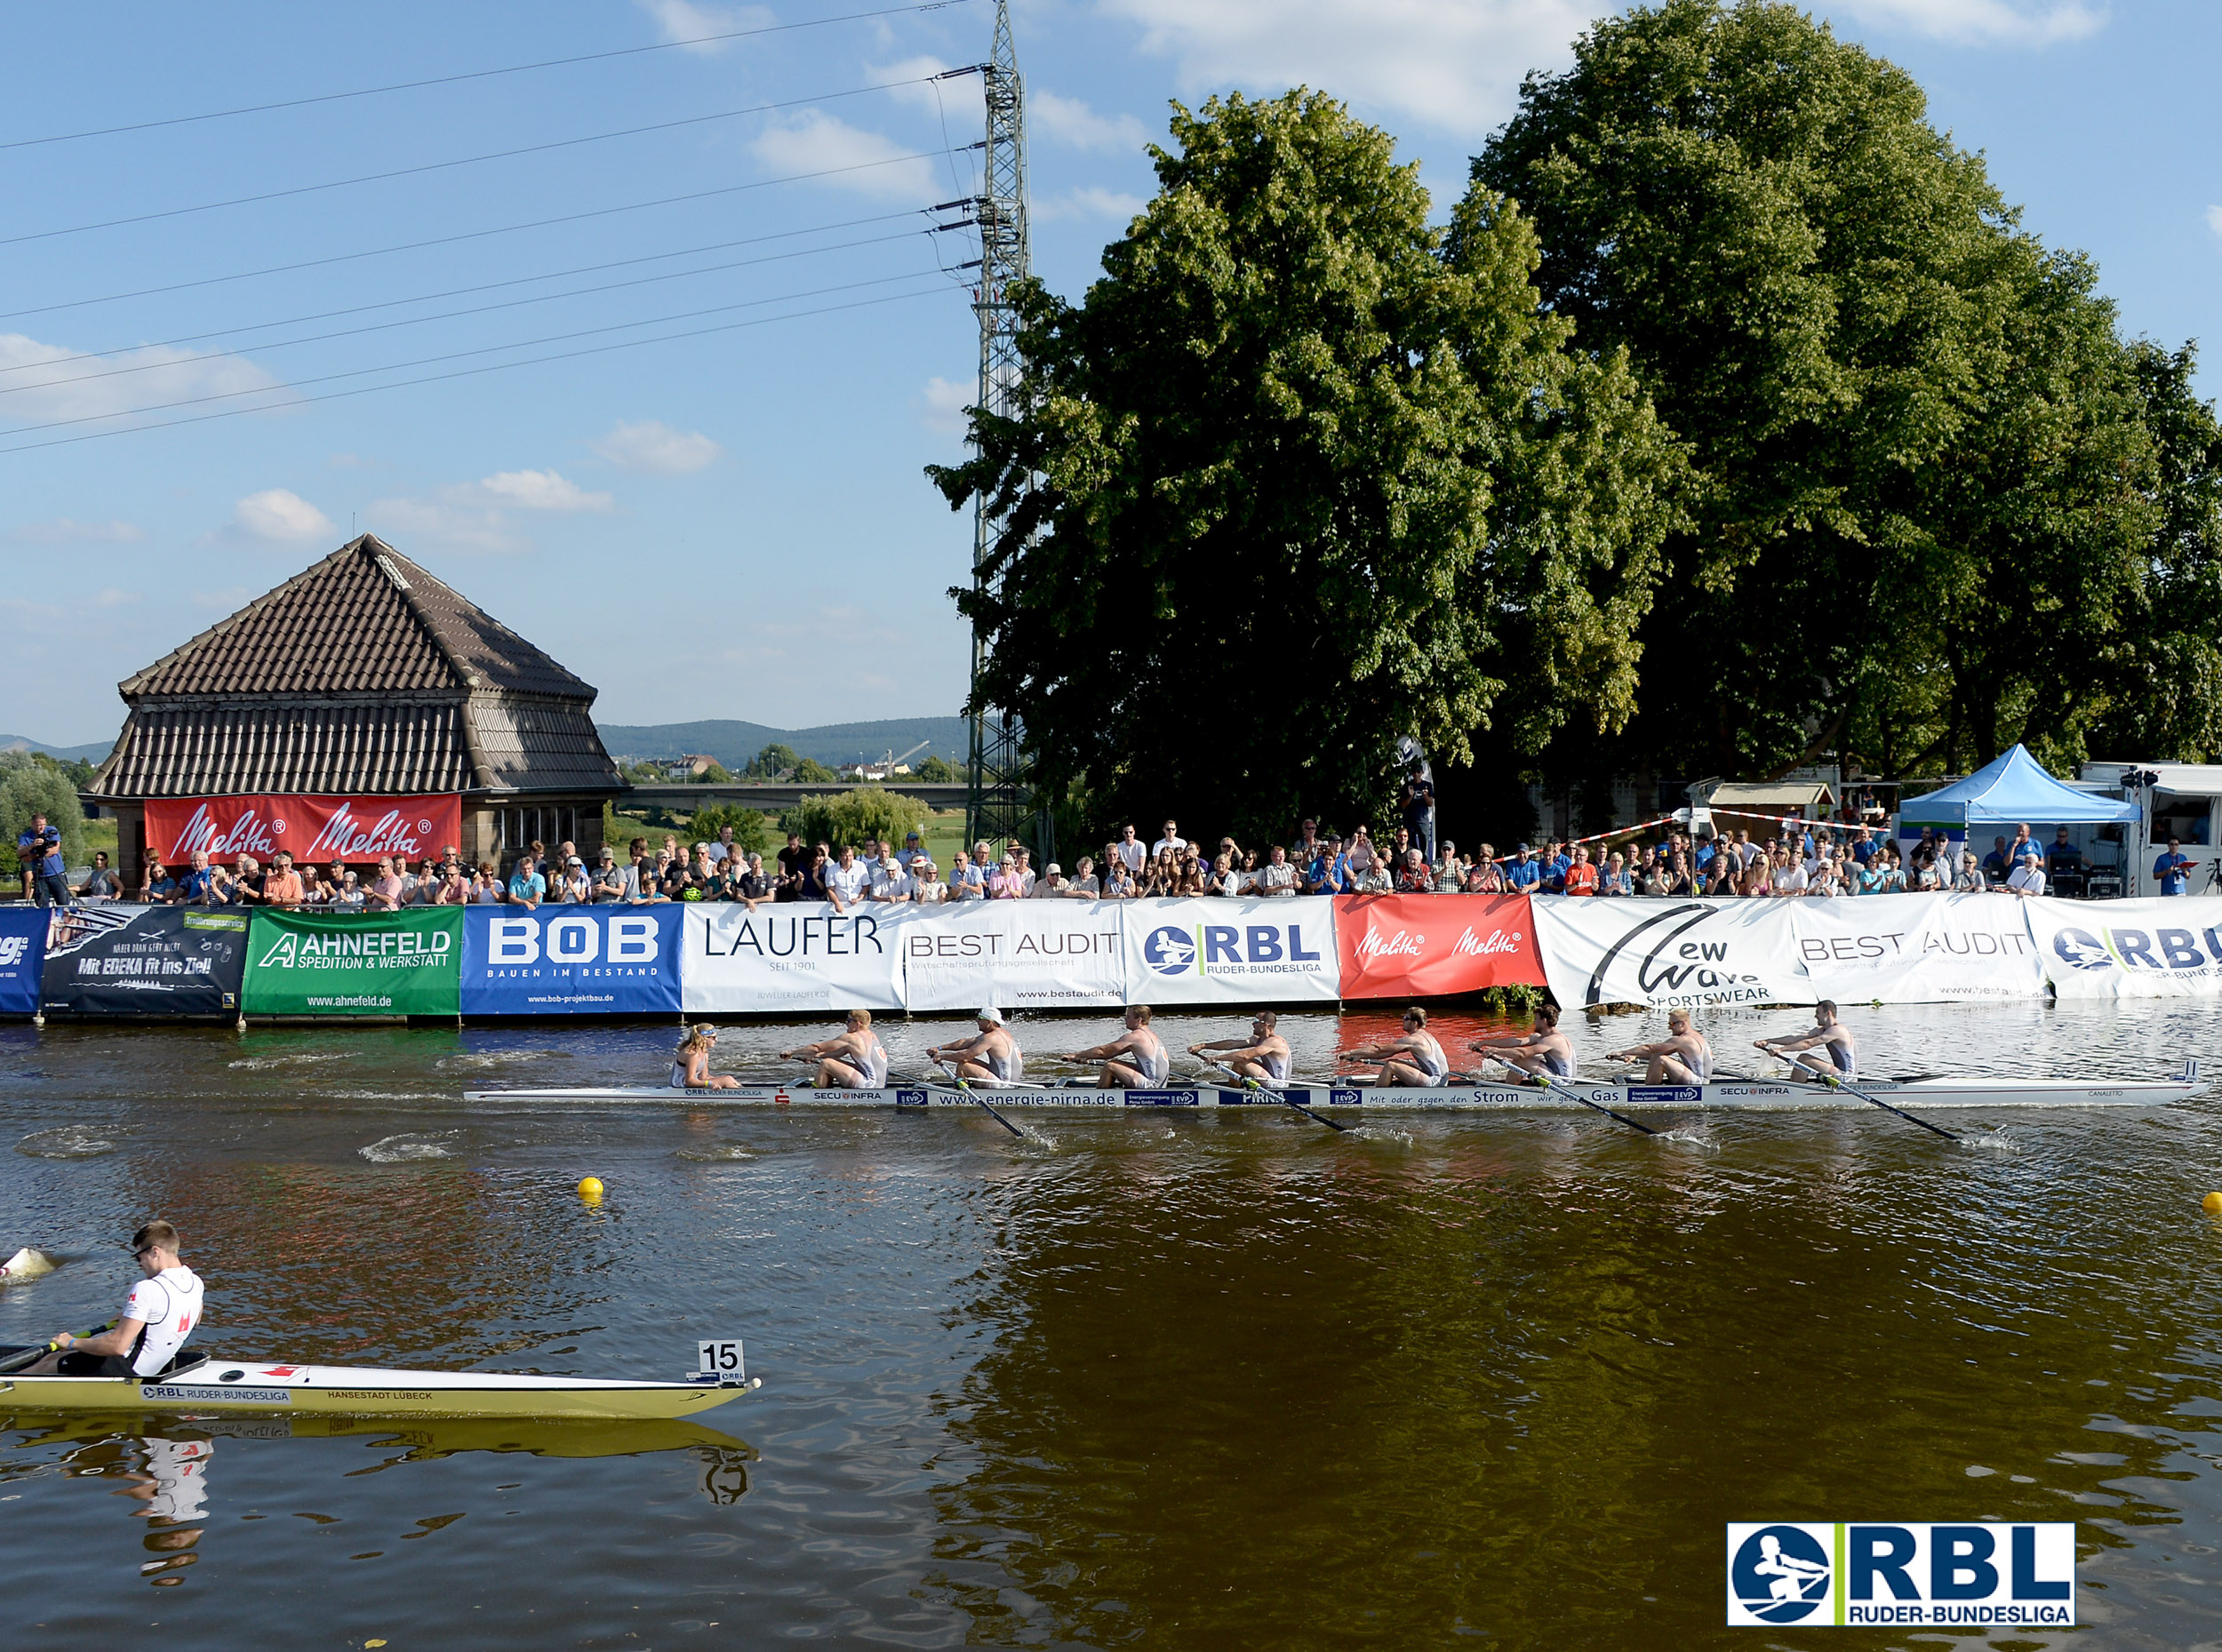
pixel 366 675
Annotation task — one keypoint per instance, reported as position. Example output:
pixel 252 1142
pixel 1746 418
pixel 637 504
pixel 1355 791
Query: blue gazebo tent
pixel 2012 788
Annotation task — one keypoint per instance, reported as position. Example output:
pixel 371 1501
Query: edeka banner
pixel 104 959
pixel 571 961
pixel 383 963
pixel 1016 954
pixel 1432 945
pixel 1916 949
pixel 2167 948
pixel 322 829
pixel 1257 949
pixel 787 959
pixel 22 947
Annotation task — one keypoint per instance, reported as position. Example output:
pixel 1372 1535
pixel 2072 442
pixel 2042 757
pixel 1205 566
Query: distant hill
pixel 67 753
pixel 736 744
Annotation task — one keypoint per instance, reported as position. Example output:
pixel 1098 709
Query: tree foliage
pixel 773 761
pixel 849 818
pixel 752 829
pixel 935 770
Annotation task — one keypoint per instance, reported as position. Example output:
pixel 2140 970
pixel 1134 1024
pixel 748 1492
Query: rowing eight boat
pixel 1927 1091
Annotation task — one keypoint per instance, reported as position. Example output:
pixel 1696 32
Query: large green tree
pixel 1297 478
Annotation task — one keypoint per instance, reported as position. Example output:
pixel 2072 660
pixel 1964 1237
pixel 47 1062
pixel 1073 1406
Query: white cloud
pixel 2214 220
pixel 457 527
pixel 941 405
pixel 1069 121
pixel 817 143
pixel 63 530
pixel 695 27
pixel 1088 201
pixel 958 98
pixel 39 382
pixel 1984 22
pixel 279 516
pixel 536 489
pixel 655 449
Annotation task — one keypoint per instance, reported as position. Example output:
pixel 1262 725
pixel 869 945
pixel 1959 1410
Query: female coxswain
pixel 690 1066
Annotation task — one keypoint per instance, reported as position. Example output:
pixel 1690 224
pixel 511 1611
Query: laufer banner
pixel 22 949
pixel 319 829
pixel 792 958
pixel 606 959
pixel 1249 950
pixel 104 958
pixel 387 964
pixel 2165 947
pixel 1434 946
pixel 1022 954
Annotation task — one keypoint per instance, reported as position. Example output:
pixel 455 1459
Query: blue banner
pixel 22 950
pixel 611 959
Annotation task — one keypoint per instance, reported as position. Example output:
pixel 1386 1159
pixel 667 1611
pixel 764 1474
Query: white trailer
pixel 2180 801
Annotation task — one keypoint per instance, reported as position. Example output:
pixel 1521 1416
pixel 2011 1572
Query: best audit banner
pixel 115 960
pixel 387 964
pixel 571 960
pixel 1434 946
pixel 803 957
pixel 1916 949
pixel 319 829
pixel 2170 948
pixel 1248 950
pixel 1022 955
pixel 22 949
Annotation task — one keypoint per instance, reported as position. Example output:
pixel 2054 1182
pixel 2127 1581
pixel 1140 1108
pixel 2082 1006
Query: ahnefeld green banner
pixel 386 963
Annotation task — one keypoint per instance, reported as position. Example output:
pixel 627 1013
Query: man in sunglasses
pixel 163 1309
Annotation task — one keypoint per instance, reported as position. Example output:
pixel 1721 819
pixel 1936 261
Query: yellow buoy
pixel 2211 1204
pixel 590 1190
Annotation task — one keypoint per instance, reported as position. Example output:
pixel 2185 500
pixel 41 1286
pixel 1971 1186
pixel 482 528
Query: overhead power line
pixel 470 74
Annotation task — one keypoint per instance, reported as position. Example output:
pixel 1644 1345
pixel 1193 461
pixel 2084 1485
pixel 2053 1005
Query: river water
pixel 1211 1382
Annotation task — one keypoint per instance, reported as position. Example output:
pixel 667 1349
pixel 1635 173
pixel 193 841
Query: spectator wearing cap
pixel 609 878
pixel 914 847
pixel 1052 885
pixel 577 889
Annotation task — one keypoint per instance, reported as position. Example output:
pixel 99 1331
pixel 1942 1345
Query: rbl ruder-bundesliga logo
pixel 1978 1575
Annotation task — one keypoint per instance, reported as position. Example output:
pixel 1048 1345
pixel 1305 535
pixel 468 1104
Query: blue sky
pixel 733 524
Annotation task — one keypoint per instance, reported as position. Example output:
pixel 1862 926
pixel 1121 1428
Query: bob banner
pixel 571 961
pixel 1016 954
pixel 318 829
pixel 798 959
pixel 1247 950
pixel 1434 946
pixel 112 959
pixel 22 949
pixel 2166 947
pixel 385 963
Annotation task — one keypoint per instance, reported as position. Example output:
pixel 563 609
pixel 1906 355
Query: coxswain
pixel 690 1066
pixel 1544 1053
pixel 1828 1034
pixel 1681 1058
pixel 1137 1060
pixel 160 1313
pixel 990 1057
pixel 855 1061
pixel 1263 1055
pixel 1416 1059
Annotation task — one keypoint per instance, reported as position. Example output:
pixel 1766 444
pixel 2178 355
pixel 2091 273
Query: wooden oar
pixel 1250 1083
pixel 1835 1082
pixel 1550 1083
pixel 32 1356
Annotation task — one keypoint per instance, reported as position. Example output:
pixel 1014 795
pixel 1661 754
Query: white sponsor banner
pixel 1669 953
pixel 2164 947
pixel 1916 949
pixel 1250 950
pixel 1015 955
pixel 793 957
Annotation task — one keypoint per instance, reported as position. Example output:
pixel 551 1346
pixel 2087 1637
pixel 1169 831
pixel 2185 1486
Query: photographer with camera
pixel 39 850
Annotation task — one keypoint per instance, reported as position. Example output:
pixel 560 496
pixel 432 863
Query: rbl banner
pixel 1434 946
pixel 318 829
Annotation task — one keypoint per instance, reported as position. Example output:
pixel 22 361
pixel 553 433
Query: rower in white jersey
pixel 1828 1034
pixel 1263 1055
pixel 1683 1057
pixel 1137 1060
pixel 990 1057
pixel 161 1313
pixel 855 1061
pixel 1545 1052
pixel 1414 1059
pixel 691 1062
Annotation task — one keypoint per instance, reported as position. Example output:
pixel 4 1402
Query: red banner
pixel 1434 946
pixel 312 829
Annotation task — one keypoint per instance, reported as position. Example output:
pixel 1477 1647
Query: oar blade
pixel 28 1263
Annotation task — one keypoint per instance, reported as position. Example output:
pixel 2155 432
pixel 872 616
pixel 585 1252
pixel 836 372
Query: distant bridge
pixel 774 796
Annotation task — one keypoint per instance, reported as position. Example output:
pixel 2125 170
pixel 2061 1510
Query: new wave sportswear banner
pixel 319 829
pixel 1433 946
pixel 1249 950
pixel 22 950
pixel 384 963
pixel 104 959
pixel 607 960
pixel 802 958
pixel 1016 954
pixel 2166 947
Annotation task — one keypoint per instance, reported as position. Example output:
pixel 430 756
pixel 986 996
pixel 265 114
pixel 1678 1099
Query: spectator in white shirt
pixel 1172 839
pixel 2028 874
pixel 889 883
pixel 846 882
pixel 1130 850
pixel 928 889
pixel 1276 876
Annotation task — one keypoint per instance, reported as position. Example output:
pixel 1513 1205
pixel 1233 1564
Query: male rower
pixel 1416 1059
pixel 1137 1060
pixel 1683 1057
pixel 855 1061
pixel 1545 1052
pixel 1265 1056
pixel 161 1313
pixel 1828 1033
pixel 990 1057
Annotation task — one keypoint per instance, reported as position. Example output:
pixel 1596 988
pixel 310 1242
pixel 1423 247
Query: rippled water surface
pixel 1146 1379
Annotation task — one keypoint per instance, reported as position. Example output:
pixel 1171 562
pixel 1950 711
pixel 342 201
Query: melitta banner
pixel 571 960
pixel 2170 948
pixel 22 950
pixel 110 959
pixel 1434 946
pixel 1016 954
pixel 385 963
pixel 1257 949
pixel 320 829
pixel 792 959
